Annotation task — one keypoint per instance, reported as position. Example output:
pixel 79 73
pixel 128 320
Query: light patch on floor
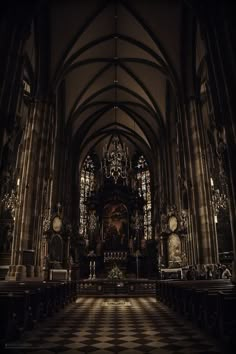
pixel 116 303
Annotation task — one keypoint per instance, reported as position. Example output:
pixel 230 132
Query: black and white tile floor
pixel 107 326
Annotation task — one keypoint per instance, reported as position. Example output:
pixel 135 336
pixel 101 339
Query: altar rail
pixel 105 287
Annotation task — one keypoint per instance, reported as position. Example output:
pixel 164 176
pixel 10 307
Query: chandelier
pixel 10 202
pixel 116 161
pixel 219 199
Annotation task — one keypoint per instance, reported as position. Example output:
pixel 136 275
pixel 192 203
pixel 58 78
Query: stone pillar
pixel 36 152
pixel 219 34
pixel 191 242
pixel 201 211
pixel 44 181
pixel 44 257
pixel 13 36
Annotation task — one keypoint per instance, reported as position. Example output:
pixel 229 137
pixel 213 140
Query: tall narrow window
pixel 143 178
pixel 87 180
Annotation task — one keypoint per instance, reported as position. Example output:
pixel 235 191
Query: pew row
pixel 23 305
pixel 211 305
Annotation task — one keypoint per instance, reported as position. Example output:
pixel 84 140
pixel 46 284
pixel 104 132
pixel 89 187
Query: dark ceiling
pixel 118 62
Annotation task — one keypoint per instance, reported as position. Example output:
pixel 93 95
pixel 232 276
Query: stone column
pixel 191 242
pixel 219 34
pixel 44 257
pixel 13 36
pixel 36 152
pixel 201 211
pixel 44 181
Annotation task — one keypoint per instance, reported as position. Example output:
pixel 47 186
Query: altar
pixel 115 236
pixel 131 267
pixel 119 259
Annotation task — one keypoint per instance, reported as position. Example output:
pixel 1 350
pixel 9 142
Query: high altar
pixel 115 233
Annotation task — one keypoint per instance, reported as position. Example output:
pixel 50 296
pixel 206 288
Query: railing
pixel 117 287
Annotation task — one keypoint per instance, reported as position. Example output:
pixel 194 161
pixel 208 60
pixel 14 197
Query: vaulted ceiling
pixel 117 61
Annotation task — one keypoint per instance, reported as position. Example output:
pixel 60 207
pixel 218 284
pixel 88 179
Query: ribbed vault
pixel 115 61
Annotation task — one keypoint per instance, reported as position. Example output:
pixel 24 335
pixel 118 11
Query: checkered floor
pixel 106 326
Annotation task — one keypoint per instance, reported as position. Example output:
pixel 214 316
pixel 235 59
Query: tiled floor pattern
pixel 106 326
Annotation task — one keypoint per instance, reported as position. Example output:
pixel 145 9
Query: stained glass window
pixel 87 180
pixel 144 187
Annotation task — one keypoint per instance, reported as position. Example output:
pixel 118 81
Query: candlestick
pixel 90 270
pixel 94 267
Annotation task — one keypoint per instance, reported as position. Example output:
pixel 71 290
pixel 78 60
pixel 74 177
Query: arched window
pixel 144 187
pixel 87 181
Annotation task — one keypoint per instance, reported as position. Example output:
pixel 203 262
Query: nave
pixel 115 325
pixel 117 176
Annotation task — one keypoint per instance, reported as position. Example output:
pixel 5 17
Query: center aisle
pixel 106 326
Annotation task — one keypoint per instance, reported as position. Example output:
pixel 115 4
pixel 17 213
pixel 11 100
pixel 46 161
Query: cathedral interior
pixel 117 185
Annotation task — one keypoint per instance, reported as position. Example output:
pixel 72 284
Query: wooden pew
pixel 226 319
pixel 8 325
pixel 210 309
pixel 198 301
pixel 36 295
pixel 17 317
pixel 23 304
pixel 202 302
pixel 52 295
